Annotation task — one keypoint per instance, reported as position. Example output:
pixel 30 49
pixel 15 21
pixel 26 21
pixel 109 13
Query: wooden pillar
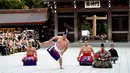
pixel 109 22
pixel 55 23
pixel 109 25
pixel 75 26
pixel 129 21
pixel 94 25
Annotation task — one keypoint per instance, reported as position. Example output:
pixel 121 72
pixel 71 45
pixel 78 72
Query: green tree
pixel 1 4
pixel 12 4
pixel 86 25
pixel 34 3
pixel 38 4
pixel 28 3
pixel 21 4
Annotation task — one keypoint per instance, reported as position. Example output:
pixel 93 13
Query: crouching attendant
pixel 114 54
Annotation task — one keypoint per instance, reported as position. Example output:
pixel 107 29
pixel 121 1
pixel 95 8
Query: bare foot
pixel 61 68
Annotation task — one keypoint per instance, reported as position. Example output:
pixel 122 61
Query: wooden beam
pixel 93 10
pixel 66 9
pixel 64 0
pixel 121 15
pixel 64 32
pixel 120 32
pixel 119 10
pixel 97 18
pixel 66 16
pixel 101 18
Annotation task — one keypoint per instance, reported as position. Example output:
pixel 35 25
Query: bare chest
pixel 61 44
pixel 87 49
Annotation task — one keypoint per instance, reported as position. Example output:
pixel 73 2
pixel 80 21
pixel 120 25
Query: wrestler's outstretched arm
pixel 49 42
pixel 54 38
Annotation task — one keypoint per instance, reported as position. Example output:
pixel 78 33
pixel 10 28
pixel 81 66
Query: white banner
pixel 85 33
pixel 92 4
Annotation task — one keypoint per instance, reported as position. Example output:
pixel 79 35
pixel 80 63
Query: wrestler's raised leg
pixel 60 62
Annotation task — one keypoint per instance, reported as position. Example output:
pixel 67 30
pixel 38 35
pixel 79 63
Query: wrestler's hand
pixel 78 59
pixel 102 59
pixel 49 40
pixel 40 43
pixel 36 58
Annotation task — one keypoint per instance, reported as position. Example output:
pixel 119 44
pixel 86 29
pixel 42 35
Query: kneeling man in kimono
pixel 102 58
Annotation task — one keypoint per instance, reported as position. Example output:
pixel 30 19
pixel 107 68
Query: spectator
pixel 114 54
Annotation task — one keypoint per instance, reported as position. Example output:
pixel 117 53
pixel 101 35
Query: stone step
pixel 97 44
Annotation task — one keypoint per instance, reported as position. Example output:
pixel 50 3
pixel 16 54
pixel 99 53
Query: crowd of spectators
pixel 13 42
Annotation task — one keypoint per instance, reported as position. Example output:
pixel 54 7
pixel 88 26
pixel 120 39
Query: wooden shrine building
pixel 66 15
pixel 24 19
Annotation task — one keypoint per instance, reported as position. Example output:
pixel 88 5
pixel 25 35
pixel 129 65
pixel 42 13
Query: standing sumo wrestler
pixel 61 45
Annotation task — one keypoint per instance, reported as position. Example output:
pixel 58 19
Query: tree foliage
pixel 86 25
pixel 38 4
pixel 11 4
pixel 1 4
pixel 28 3
pixel 21 4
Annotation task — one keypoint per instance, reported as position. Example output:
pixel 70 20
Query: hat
pixel 65 34
pixel 102 45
